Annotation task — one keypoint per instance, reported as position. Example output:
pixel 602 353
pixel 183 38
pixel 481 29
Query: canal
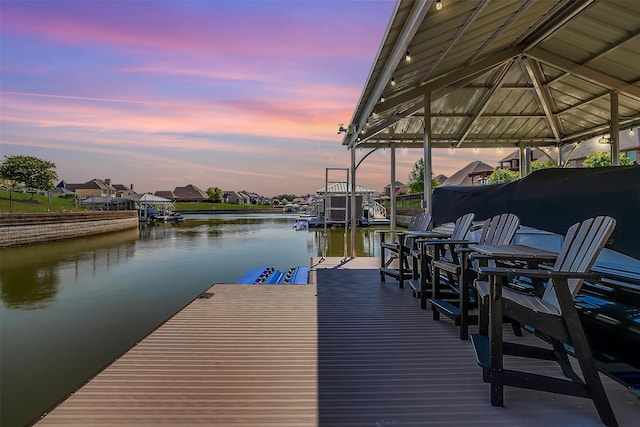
pixel 68 308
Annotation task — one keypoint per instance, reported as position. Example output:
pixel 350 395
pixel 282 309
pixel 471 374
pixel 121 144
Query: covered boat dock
pixel 457 74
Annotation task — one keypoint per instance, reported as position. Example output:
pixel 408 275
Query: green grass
pixel 23 203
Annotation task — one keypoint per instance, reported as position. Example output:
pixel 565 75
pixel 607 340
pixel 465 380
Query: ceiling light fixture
pixel 604 140
pixel 393 81
pixel 438 4
pixel 407 56
pixel 382 98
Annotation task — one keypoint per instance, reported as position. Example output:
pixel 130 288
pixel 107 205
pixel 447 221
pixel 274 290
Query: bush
pixel 603 158
pixel 501 176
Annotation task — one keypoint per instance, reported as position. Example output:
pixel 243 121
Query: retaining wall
pixel 27 228
pixel 403 215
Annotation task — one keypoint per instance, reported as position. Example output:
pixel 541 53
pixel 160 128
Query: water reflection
pixel 29 275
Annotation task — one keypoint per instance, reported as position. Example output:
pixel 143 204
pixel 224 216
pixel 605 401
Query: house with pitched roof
pixel 123 190
pixel 232 197
pixel 475 173
pixel 93 188
pixel 400 189
pixel 190 193
pixel 167 194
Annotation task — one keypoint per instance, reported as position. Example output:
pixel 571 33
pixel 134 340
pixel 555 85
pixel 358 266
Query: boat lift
pixel 342 217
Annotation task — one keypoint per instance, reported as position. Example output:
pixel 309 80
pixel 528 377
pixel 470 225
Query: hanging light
pixel 604 140
pixel 438 4
pixel 393 81
pixel 382 98
pixel 407 56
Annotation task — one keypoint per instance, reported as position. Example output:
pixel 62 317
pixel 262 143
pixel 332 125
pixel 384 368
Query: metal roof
pixel 502 73
pixel 147 198
pixel 343 188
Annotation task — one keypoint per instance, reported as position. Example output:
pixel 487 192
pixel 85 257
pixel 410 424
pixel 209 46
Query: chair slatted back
pixel 420 222
pixel 580 249
pixel 499 230
pixel 460 231
pixel 462 226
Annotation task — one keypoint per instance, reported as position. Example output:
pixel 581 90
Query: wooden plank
pixel 245 356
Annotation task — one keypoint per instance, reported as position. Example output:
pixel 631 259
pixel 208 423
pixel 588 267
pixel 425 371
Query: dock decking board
pixel 360 353
pixel 246 356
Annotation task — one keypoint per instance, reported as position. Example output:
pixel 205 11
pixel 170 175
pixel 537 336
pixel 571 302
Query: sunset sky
pixel 241 95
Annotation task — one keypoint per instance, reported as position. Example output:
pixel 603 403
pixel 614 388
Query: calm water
pixel 69 308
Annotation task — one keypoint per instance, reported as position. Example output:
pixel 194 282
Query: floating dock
pixel 269 275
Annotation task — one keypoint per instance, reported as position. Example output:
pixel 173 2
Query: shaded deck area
pixel 347 350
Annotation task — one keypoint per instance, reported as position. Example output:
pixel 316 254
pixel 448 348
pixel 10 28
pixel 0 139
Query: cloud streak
pixel 235 94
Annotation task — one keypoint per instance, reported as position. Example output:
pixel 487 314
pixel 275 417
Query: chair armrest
pixel 464 249
pixel 542 274
pixel 390 231
pixel 515 258
pixel 436 242
pixel 428 234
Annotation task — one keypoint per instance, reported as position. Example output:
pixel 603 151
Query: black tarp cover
pixel 553 200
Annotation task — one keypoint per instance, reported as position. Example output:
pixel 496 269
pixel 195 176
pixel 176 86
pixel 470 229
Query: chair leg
pixel 497 350
pixel 401 262
pixel 425 278
pixel 483 316
pixel 515 326
pixel 435 290
pixel 591 377
pixel 464 299
pixel 583 354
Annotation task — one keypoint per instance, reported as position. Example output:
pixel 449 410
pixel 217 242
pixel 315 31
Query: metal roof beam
pixel 418 106
pixel 412 24
pixel 483 102
pixel 584 102
pixel 544 96
pixel 617 44
pixel 565 12
pixel 470 20
pixel 500 30
pixel 448 79
pixel 584 72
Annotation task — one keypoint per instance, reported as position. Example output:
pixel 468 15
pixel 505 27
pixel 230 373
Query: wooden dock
pixel 347 350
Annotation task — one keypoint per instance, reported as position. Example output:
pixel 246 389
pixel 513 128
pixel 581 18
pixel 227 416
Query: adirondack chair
pixel 423 254
pixel 552 316
pixel 398 246
pixel 498 230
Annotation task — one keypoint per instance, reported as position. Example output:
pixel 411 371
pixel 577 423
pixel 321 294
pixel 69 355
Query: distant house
pixel 232 197
pixel 629 143
pixel 440 179
pixel 93 188
pixel 475 173
pixel 190 193
pixel 255 198
pixel 167 194
pixel 400 189
pixel 246 198
pixel 123 190
pixel 512 161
